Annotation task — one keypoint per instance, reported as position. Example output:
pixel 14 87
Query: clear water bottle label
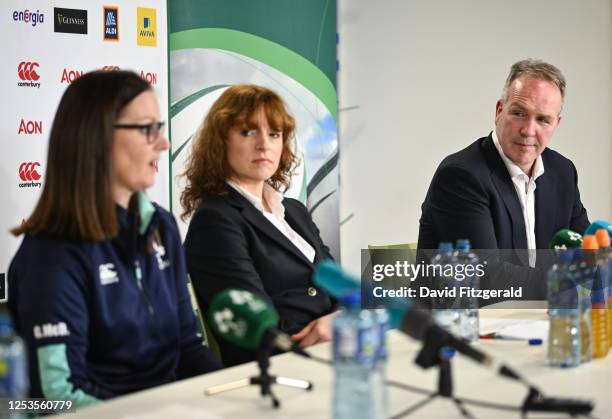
pixel 346 343
pixel 13 370
pixel 368 343
pixel 359 345
pixel 381 340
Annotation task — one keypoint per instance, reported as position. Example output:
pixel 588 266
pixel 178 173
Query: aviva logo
pixel 146 33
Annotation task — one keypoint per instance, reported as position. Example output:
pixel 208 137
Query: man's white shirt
pixel 525 189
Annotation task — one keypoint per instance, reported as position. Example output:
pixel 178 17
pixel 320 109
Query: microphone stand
pixel 264 380
pixel 434 353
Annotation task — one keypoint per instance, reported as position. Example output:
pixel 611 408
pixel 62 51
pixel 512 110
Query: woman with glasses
pixel 243 233
pixel 98 286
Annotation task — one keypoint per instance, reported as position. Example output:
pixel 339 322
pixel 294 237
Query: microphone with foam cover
pixel 403 312
pixel 565 239
pixel 247 321
pixel 337 282
pixel 596 225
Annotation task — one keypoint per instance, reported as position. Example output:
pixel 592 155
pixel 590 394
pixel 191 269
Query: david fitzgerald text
pixel 447 292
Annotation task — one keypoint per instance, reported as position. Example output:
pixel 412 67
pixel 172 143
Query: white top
pixel 277 216
pixel 525 189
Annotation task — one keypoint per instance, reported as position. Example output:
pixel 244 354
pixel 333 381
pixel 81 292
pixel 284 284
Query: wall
pixel 418 80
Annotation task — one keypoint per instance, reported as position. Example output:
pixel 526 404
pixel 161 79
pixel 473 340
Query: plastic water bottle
pixel 605 265
pixel 445 313
pixel 583 278
pixel 470 324
pixel 14 382
pixel 599 312
pixel 381 325
pixel 564 338
pixel 357 382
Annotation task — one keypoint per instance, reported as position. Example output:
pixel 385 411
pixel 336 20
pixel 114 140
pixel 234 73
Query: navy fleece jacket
pixel 106 318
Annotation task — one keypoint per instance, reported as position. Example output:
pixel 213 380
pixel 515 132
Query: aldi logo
pixel 110 23
pixel 70 20
pixel 146 27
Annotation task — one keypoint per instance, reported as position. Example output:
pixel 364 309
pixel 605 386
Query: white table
pixel 186 399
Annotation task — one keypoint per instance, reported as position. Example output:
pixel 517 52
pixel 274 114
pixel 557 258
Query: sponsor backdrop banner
pixel 48 44
pixel 286 45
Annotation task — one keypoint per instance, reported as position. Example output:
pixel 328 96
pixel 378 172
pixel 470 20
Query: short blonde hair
pixel 537 69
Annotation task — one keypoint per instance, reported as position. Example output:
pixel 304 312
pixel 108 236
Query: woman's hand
pixel 318 330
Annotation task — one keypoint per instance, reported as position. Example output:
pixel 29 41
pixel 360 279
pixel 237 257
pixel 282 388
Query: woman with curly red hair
pixel 244 233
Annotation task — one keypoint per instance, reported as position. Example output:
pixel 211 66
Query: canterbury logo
pixel 108 275
pixel 27 171
pixel 27 71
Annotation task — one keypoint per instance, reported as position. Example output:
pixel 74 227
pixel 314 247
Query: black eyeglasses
pixel 150 131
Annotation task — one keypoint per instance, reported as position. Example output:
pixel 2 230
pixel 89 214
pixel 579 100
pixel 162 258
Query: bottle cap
pixel 463 244
pixel 603 238
pixel 596 225
pixel 352 299
pixel 590 243
pixel 535 342
pixel 445 247
pixel 6 325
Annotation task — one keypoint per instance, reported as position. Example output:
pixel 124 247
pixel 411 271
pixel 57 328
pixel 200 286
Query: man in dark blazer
pixel 231 244
pixel 508 191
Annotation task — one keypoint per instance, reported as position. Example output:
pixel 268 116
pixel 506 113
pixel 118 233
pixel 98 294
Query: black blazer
pixel 231 244
pixel 472 196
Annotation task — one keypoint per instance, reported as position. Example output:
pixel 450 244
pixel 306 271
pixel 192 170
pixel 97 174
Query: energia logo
pixel 27 16
pixel 29 174
pixel 26 70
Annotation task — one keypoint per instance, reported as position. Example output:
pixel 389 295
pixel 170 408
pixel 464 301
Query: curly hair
pixel 207 167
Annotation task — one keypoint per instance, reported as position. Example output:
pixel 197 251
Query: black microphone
pixel 247 321
pixel 537 402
